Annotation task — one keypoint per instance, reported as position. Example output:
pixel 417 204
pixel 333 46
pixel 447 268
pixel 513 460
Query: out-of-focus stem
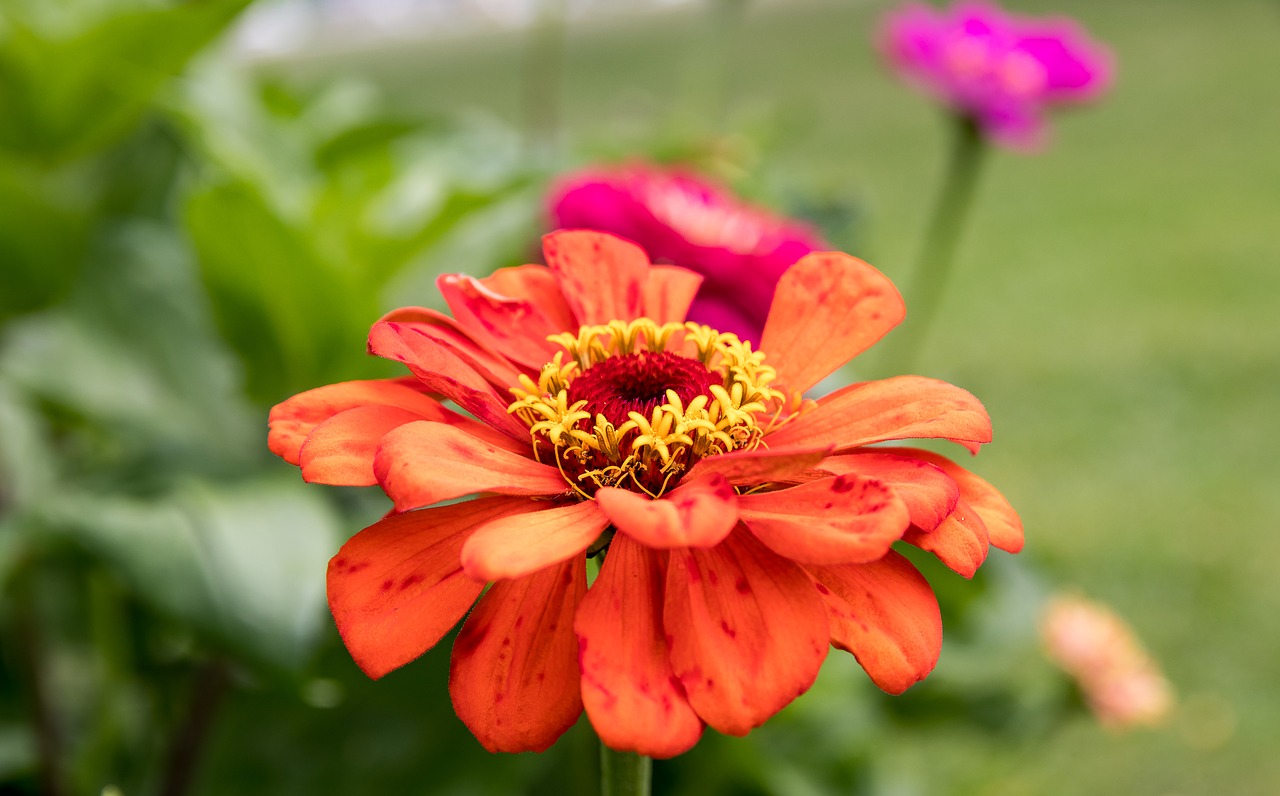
pixel 946 225
pixel 31 645
pixel 624 773
pixel 210 683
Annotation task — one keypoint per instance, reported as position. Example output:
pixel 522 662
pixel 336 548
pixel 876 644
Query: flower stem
pixel 624 773
pixel 950 211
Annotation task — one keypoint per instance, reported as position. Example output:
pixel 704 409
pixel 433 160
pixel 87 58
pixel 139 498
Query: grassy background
pixel 1114 305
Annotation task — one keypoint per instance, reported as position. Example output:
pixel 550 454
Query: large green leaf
pixel 73 83
pixel 243 563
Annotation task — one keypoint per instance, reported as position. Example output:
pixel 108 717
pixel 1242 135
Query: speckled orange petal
pixel 397 586
pixel 828 308
pixel 444 372
pixel 697 513
pixel 903 407
pixel 749 467
pixel 885 614
pixel 514 325
pixel 479 354
pixel 848 518
pixel 630 693
pixel 601 276
pixel 340 450
pixel 515 546
pixel 514 673
pixel 929 493
pixel 422 463
pixel 1003 524
pixel 960 541
pixel 292 420
pixel 669 292
pixel 746 629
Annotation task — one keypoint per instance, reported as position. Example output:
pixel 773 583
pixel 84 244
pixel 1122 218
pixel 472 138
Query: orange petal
pixel 480 355
pixel 340 450
pixel 828 308
pixel 515 546
pixel 513 325
pixel 422 463
pixel 443 371
pixel 291 421
pixel 695 514
pixel 746 630
pixel 602 276
pixel 537 285
pixel 903 407
pixel 885 614
pixel 514 674
pixel 631 695
pixel 669 292
pixel 760 465
pixel 930 494
pixel 840 520
pixel 960 541
pixel 1003 523
pixel 397 586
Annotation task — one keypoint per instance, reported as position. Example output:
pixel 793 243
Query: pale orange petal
pixel 698 513
pixel 422 463
pixel 340 450
pixel 397 586
pixel 930 494
pixel 960 541
pixel 442 371
pixel 885 614
pixel 291 421
pixel 749 467
pixel 514 673
pixel 513 325
pixel 848 518
pixel 520 544
pixel 903 407
pixel 631 695
pixel 602 276
pixel 746 629
pixel 669 292
pixel 828 308
pixel 1003 523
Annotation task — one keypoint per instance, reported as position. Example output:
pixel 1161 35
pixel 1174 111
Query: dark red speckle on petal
pixel 842 484
pixel 821 589
pixel 411 581
pixel 742 586
pixel 387 584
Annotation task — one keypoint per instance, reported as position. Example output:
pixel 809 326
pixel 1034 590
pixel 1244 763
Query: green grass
pixel 1114 305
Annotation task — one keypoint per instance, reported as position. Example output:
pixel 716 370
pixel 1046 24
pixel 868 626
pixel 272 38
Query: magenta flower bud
pixel 1002 71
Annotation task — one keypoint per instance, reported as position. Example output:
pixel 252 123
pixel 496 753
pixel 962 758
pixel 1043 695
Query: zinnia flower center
pixel 637 404
pixel 638 383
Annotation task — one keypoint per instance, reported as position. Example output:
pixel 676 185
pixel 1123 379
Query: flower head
pixel 1122 685
pixel 676 217
pixel 744 529
pixel 1001 70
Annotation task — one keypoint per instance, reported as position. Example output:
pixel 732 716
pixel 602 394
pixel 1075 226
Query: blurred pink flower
pixel 739 250
pixel 1001 70
pixel 1121 683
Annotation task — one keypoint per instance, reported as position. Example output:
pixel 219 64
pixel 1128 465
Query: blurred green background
pixel 192 230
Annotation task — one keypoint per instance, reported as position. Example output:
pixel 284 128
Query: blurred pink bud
pixel 740 250
pixel 1001 70
pixel 1123 686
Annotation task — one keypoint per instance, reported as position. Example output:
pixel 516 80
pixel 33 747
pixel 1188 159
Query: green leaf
pixel 75 87
pixel 43 236
pixel 243 563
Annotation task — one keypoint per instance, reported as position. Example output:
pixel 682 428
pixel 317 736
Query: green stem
pixel 624 773
pixel 942 237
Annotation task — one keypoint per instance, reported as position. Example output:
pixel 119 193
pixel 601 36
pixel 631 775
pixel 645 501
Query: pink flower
pixel 1001 70
pixel 1121 683
pixel 739 250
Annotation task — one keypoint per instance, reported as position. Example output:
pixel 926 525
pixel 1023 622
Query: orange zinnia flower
pixel 747 530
